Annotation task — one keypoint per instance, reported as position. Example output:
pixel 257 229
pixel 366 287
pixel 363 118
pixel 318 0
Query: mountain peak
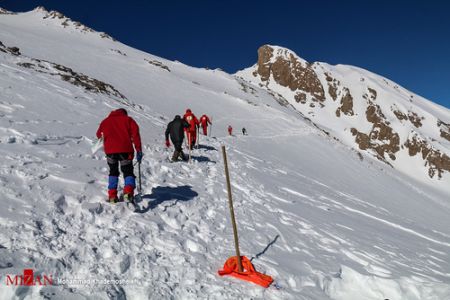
pixel 40 9
pixel 363 110
pixel 280 52
pixel 5 12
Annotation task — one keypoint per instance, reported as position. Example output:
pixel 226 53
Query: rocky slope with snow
pixel 322 222
pixel 363 110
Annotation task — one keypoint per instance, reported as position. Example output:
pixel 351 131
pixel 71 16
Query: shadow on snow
pixel 166 193
pixel 267 248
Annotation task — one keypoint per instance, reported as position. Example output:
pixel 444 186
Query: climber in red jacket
pixel 204 121
pixel 120 132
pixel 191 132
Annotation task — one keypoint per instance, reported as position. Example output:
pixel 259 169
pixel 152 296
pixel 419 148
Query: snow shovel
pixel 240 266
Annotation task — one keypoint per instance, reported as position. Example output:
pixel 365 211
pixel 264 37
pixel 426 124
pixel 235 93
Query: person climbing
pixel 230 130
pixel 204 121
pixel 244 131
pixel 120 132
pixel 191 132
pixel 175 129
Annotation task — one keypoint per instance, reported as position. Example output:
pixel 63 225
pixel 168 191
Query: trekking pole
pixel 189 138
pixel 140 178
pixel 198 137
pixel 230 203
pixel 209 133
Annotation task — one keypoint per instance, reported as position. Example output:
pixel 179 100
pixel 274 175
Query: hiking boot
pixel 128 198
pixel 175 155
pixel 183 156
pixel 113 200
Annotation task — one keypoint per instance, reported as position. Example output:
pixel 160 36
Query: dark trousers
pixel 126 164
pixel 178 153
pixel 178 146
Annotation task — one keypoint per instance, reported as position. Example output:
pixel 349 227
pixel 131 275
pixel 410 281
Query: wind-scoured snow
pixel 311 214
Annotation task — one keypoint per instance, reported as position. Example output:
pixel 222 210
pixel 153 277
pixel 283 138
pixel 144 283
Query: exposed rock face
pixel 382 138
pixel 158 64
pixel 400 116
pixel 66 22
pixel 11 50
pixel 346 104
pixel 288 71
pixel 445 130
pixel 378 115
pixel 332 86
pixel 67 74
pixel 436 161
pixel 415 119
pixel 5 12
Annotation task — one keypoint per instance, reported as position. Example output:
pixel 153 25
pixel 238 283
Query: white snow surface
pixel 321 222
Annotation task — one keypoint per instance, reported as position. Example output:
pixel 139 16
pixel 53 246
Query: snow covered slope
pixel 363 110
pixel 324 223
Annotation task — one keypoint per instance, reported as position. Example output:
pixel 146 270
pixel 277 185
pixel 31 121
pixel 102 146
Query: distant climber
pixel 191 132
pixel 230 130
pixel 204 121
pixel 175 129
pixel 120 132
pixel 244 131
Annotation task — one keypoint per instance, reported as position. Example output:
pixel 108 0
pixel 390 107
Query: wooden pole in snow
pixel 230 203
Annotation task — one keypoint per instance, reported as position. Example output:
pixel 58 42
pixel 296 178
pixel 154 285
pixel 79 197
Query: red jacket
pixel 120 132
pixel 192 120
pixel 205 120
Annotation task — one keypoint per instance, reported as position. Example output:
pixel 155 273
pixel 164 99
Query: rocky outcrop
pixel 5 12
pixel 400 116
pixel 66 74
pixel 332 86
pixel 415 119
pixel 11 50
pixel 411 116
pixel 346 104
pixel 381 138
pixel 158 64
pixel 444 129
pixel 436 161
pixel 289 71
pixel 67 22
pixel 381 132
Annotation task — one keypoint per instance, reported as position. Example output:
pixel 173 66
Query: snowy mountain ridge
pixel 321 222
pixel 363 110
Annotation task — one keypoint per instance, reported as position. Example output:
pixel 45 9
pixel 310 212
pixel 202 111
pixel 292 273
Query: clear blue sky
pixel 405 41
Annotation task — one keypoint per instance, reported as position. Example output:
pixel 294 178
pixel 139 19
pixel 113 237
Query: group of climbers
pixel 120 132
pixel 189 125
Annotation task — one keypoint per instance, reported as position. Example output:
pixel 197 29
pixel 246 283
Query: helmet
pixel 188 111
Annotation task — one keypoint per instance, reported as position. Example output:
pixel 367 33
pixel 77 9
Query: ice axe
pixel 240 266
